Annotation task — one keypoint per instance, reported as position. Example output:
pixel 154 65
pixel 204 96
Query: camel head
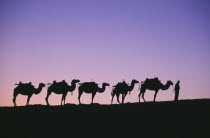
pixel 101 90
pixel 75 81
pixel 170 82
pixel 135 81
pixel 106 84
pixel 41 85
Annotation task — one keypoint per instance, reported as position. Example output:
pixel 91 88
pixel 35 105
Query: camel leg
pixel 29 97
pixel 93 95
pixel 123 98
pixel 143 97
pixel 112 97
pixel 142 92
pixel 48 94
pixel 79 96
pixel 155 95
pixel 118 95
pixel 63 98
pixel 14 98
pixel 139 96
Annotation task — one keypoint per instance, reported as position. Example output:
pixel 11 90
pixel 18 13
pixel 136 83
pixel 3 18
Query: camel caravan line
pixel 121 88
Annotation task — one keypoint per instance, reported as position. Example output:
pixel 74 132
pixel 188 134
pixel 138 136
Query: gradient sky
pixel 104 41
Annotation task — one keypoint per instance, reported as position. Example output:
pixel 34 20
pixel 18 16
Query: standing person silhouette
pixel 177 88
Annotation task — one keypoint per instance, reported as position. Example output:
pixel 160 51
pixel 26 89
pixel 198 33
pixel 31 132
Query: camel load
pixel 121 84
pixel 58 84
pixel 25 85
pixel 93 84
pixel 153 81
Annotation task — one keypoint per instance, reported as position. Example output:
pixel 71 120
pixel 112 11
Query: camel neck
pixel 38 90
pixel 73 86
pixel 166 86
pixel 102 89
pixel 130 88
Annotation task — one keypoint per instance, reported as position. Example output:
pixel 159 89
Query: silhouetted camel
pixel 91 87
pixel 61 88
pixel 154 85
pixel 122 88
pixel 26 89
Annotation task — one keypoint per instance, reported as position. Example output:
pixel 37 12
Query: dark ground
pixel 187 118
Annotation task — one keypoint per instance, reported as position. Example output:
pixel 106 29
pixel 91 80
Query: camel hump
pixel 62 83
pixel 153 81
pixel 25 85
pixel 91 83
pixel 121 85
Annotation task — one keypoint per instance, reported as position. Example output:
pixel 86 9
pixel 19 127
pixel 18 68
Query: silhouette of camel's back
pixel 121 85
pixel 154 82
pixel 25 86
pixel 89 85
pixel 58 85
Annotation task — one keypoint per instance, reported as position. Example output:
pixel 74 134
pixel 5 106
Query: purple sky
pixel 104 41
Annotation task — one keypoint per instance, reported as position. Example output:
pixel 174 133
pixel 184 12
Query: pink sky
pixel 104 41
